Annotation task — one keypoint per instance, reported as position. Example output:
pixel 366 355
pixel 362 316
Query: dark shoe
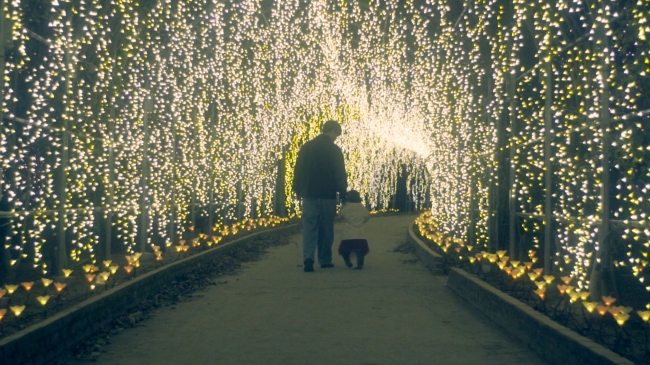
pixel 326 266
pixel 346 258
pixel 358 268
pixel 309 266
pixel 360 260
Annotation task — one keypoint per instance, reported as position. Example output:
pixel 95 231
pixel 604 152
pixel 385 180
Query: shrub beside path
pixel 391 312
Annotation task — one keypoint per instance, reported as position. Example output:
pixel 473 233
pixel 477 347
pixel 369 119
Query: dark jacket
pixel 320 170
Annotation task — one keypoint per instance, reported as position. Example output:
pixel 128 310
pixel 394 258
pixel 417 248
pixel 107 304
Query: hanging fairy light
pixel 150 112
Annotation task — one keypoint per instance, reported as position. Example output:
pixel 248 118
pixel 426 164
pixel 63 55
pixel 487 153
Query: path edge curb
pixel 49 338
pixel 553 342
pixel 431 259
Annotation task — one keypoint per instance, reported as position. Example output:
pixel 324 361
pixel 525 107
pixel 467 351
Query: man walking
pixel 318 175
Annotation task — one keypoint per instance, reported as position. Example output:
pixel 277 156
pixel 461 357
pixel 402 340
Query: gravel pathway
pixel 391 312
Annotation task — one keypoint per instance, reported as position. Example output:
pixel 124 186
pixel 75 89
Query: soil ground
pixel 271 312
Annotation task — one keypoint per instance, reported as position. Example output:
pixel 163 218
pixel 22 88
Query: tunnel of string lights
pixel 520 124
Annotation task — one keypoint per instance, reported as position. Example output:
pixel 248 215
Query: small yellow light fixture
pixel 590 306
pixel 621 318
pixel 514 264
pixel 540 284
pixel 613 310
pixel 627 310
pixel 43 299
pixel 516 273
pixel 66 272
pixel 608 300
pixel 566 280
pixel 107 263
pixel 645 315
pixel 501 253
pixel 11 288
pixel 602 309
pixel 17 309
pixel 59 287
pixel 540 292
pixel 27 285
pixel 47 282
pixel 128 269
pixel 113 269
pixel 549 278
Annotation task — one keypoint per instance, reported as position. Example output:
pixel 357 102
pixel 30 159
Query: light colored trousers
pixel 318 229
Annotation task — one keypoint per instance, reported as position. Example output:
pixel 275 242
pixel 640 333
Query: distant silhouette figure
pixel 318 175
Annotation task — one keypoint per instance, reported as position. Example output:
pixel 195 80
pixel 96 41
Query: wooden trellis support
pixel 110 192
pixel 62 194
pixel 193 191
pixel 5 251
pixel 144 209
pixel 459 182
pixel 548 167
pixel 471 234
pixel 512 196
pixel 493 228
pixel 603 231
pixel 172 221
pixel 2 68
pixel 213 120
pixel 239 196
